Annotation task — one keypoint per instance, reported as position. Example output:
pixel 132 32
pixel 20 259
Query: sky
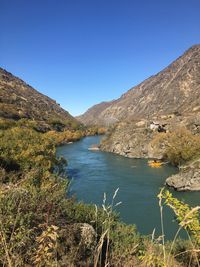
pixel 82 52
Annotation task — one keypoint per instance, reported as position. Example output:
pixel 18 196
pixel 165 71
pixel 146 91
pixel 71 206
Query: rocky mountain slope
pixel 163 103
pixel 91 116
pixel 19 100
pixel 175 90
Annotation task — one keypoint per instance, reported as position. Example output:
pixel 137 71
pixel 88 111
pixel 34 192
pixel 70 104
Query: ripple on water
pixel 96 172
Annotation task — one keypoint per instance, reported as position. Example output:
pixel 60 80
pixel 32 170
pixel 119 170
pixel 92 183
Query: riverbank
pixel 40 226
pixel 137 182
pixel 175 144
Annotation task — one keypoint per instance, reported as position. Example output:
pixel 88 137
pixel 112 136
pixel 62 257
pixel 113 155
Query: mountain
pixel 91 116
pixel 19 100
pixel 174 90
pixel 165 105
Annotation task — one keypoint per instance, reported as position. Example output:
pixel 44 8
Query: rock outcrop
pixel 188 179
pixel 78 239
pixel 129 139
pixel 19 100
pixel 164 102
pixel 133 138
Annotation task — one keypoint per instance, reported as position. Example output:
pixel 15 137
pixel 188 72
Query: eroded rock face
pixel 133 138
pixel 188 179
pixel 129 140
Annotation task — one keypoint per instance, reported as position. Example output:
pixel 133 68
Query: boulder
pixel 77 247
pixel 188 179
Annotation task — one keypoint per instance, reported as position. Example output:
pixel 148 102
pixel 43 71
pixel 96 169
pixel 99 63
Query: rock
pixel 129 140
pixel 141 123
pixel 79 245
pixel 88 235
pixel 188 179
pixel 83 234
pixel 94 148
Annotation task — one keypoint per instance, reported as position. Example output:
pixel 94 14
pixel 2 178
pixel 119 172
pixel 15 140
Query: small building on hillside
pixel 157 126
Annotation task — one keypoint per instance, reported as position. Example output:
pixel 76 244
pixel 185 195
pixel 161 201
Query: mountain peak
pixel 174 89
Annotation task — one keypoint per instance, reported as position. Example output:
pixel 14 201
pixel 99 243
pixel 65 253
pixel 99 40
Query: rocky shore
pixel 134 139
pixel 163 102
pixel 188 178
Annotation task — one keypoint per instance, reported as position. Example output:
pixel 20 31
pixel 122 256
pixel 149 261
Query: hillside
pixel 166 105
pixel 176 89
pixel 19 100
pixel 91 116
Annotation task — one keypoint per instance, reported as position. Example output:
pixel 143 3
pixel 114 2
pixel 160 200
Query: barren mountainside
pixel 91 116
pixel 176 89
pixel 163 105
pixel 19 100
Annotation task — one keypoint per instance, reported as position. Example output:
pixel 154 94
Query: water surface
pixel 94 172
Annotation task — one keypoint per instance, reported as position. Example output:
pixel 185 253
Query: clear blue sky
pixel 81 52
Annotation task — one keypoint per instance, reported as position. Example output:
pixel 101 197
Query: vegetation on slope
pixel 41 226
pixel 18 100
pixel 179 146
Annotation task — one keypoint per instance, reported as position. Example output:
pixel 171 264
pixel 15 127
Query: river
pixel 94 173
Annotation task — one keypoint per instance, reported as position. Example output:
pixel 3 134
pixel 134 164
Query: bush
pixel 179 146
pixel 37 219
pixel 26 148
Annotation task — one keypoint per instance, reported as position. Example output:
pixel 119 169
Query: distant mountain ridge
pixel 19 100
pixel 176 89
pixel 91 116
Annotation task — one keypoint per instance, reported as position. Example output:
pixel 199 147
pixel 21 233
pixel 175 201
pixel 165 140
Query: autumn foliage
pixel 179 146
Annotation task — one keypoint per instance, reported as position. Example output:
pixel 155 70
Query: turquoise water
pixel 94 173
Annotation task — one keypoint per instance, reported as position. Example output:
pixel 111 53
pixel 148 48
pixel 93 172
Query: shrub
pixel 26 148
pixel 37 218
pixel 179 146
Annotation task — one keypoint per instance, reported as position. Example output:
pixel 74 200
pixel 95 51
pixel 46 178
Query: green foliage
pixel 57 125
pixel 46 254
pixel 95 130
pixel 184 251
pixel 187 217
pixel 37 218
pixel 60 138
pixel 37 200
pixel 26 148
pixel 5 124
pixel 179 146
pixel 126 243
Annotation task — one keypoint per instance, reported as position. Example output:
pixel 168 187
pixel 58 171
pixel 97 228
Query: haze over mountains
pixel 176 89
